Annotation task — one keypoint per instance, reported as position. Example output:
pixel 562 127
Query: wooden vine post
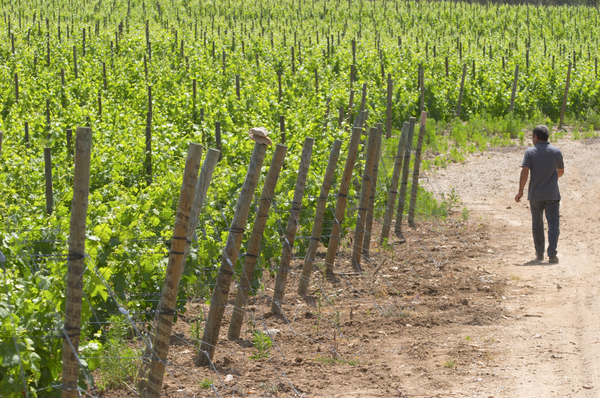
pixel 514 89
pixel 218 139
pixel 415 182
pixel 393 192
pixel 208 168
pixel 390 92
pixel 462 87
pixel 405 170
pixel 150 383
pixel 148 157
pixel 363 100
pixel 253 252
pixel 313 244
pixel 282 128
pixel 76 264
pixel 48 178
pixel 292 226
pixel 342 198
pixel 230 255
pixel 1 138
pixel 16 87
pixel 366 246
pixel 27 136
pixel 359 231
pixel 564 102
pixel 350 105
pixel 422 86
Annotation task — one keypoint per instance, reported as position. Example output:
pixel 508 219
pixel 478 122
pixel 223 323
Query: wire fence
pixel 329 296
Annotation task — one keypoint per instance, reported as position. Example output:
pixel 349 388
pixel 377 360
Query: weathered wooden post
pixel 99 104
pixel 230 255
pixel 76 264
pixel 393 192
pixel 27 135
pixel 415 183
pixel 292 226
pixel 350 105
pixel 282 128
pixel 279 85
pixel 564 102
pixel 48 178
pixel 359 231
pixel 422 86
pixel 150 384
pixel 237 86
pixel 462 86
pixel 405 170
pixel 363 100
pixel 514 89
pixel 313 244
pixel 148 157
pixel 253 252
pixel 75 61
pixel 366 246
pixel 104 75
pixel 16 87
pixel 390 92
pixel 218 139
pixel 342 198
pixel 208 168
pixel 1 137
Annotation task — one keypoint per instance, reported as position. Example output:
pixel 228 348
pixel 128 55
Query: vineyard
pixel 355 94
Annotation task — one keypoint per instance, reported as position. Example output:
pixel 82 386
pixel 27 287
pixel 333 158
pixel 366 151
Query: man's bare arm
pixel 522 182
pixel 560 172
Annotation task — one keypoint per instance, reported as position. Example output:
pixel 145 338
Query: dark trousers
pixel 552 208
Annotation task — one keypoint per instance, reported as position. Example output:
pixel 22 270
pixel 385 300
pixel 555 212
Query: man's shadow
pixel 533 263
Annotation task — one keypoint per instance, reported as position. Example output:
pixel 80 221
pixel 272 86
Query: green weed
pixel 450 364
pixel 262 343
pixel 206 384
pixel 118 364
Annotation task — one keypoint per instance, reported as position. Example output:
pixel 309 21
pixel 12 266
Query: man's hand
pixel 522 182
pixel 518 197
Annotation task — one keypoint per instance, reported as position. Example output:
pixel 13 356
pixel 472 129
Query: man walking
pixel 546 165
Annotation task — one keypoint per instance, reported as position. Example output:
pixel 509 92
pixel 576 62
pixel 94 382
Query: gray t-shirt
pixel 543 160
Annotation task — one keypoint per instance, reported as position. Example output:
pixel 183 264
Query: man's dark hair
pixel 541 132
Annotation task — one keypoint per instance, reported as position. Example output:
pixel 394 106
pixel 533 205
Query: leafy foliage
pixel 130 222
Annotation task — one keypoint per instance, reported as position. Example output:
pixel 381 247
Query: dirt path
pixel 549 344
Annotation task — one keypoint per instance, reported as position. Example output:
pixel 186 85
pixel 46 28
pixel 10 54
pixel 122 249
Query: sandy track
pixel 550 346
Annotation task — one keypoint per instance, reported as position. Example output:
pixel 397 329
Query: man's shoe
pixel 553 260
pixel 539 257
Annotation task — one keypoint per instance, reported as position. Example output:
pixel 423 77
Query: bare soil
pixel 460 309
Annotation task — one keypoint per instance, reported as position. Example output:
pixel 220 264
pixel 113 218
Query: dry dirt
pixel 459 310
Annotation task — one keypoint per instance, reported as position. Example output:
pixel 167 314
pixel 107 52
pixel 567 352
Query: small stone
pixel 408 325
pixel 268 315
pixel 228 378
pixel 587 386
pixel 298 359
